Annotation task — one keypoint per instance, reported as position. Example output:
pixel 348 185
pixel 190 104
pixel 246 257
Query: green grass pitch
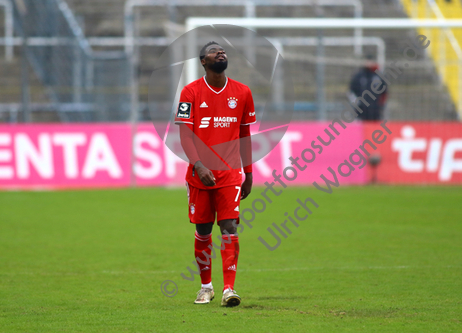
pixel 369 259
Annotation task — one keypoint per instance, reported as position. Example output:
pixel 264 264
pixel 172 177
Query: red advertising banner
pixel 62 156
pixel 419 153
pixel 100 155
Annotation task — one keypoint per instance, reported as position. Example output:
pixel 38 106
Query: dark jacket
pixel 361 82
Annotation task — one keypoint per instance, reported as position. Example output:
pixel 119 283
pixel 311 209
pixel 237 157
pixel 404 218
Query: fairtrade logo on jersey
pixel 184 110
pixel 232 102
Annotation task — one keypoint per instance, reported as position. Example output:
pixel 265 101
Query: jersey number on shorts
pixel 238 188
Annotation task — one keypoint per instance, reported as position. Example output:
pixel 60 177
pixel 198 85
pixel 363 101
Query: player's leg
pixel 202 214
pixel 227 202
pixel 229 252
pixel 202 252
pixel 229 256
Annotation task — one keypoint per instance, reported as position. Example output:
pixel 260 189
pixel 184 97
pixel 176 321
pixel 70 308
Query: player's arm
pixel 187 142
pixel 246 145
pixel 185 119
pixel 205 175
pixel 246 157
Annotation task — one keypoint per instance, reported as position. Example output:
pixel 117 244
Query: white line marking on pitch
pixel 292 269
pixel 241 270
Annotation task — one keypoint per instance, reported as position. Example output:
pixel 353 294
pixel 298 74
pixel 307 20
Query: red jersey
pixel 216 116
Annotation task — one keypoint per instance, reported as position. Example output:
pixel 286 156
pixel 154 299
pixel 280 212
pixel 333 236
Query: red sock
pixel 201 244
pixel 229 258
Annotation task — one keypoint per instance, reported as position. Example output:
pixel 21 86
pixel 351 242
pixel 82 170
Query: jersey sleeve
pixel 187 142
pixel 185 112
pixel 249 111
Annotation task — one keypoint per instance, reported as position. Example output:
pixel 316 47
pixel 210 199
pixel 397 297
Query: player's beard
pixel 219 66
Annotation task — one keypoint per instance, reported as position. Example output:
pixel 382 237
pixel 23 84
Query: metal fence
pixel 67 66
pixel 75 82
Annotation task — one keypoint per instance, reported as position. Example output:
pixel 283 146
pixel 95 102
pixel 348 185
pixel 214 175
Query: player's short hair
pixel 202 52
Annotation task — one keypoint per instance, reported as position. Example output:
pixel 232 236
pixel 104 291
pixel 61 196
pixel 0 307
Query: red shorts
pixel 203 204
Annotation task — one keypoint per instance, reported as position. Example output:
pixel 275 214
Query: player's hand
pixel 246 187
pixel 205 175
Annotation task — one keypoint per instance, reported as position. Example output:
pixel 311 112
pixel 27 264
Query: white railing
pixel 279 43
pixel 249 12
pixel 325 23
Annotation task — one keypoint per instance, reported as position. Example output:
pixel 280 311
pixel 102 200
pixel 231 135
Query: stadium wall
pixel 100 155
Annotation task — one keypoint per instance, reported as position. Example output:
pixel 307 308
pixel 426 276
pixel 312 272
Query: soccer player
pixel 214 114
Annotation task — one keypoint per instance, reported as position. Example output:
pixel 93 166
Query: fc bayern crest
pixel 232 102
pixel 192 208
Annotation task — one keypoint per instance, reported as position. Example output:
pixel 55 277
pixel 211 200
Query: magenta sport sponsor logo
pixel 223 121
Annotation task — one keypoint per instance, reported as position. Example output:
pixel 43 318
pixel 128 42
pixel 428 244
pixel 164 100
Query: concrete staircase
pixel 443 53
pixel 10 91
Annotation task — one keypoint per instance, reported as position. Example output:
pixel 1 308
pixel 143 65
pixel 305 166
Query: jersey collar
pixel 216 92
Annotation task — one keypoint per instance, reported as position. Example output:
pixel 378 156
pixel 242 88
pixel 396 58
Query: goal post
pixel 325 23
pixel 329 23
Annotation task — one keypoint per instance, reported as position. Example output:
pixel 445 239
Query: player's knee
pixel 204 228
pixel 227 225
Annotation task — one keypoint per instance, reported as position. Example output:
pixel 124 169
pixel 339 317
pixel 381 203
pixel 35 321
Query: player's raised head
pixel 213 57
pixel 207 47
